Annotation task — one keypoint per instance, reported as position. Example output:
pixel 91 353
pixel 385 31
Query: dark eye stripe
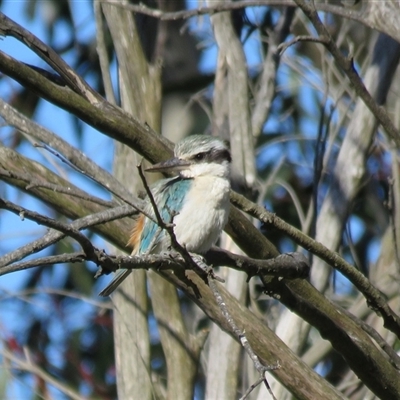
pixel 214 155
pixel 220 155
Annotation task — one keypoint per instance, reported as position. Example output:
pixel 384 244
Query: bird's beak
pixel 173 164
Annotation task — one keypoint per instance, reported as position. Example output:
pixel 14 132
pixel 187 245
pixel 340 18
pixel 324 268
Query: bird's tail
pixel 117 280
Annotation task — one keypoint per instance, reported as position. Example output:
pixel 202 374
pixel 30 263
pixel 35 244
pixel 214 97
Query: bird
pixel 197 200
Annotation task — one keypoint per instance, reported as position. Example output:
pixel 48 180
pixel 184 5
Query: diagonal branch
pixel 39 183
pixel 10 28
pixel 109 119
pixel 374 298
pixel 54 236
pixel 40 219
pixel 71 153
pixel 346 63
pixel 26 365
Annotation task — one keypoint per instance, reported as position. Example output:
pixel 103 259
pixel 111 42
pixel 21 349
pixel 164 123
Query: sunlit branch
pixel 8 27
pixel 54 236
pixel 346 63
pixel 40 219
pixel 374 298
pixel 32 183
pixel 361 16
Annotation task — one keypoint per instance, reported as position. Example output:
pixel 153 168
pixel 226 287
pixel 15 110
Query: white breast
pixel 204 213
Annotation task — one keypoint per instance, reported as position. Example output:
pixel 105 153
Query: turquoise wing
pixel 169 196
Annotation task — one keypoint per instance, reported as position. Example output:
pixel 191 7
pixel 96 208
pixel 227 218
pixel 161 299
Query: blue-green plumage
pixel 168 195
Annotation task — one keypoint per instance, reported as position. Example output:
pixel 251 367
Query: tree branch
pixel 346 63
pixel 39 183
pixel 267 80
pixel 368 16
pixel 373 295
pixel 54 236
pixel 72 154
pixel 40 219
pixel 109 119
pixel 8 27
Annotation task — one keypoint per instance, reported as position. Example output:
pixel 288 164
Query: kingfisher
pixel 196 200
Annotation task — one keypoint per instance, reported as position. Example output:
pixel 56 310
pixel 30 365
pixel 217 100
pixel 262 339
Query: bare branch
pixel 102 52
pixel 53 236
pixel 40 219
pixel 72 155
pixel 109 119
pixel 346 63
pixel 284 46
pixel 10 28
pixel 267 81
pixel 394 357
pixel 27 366
pixel 42 261
pixel 374 298
pixel 36 183
pixel 289 265
pixel 370 16
pixel 252 387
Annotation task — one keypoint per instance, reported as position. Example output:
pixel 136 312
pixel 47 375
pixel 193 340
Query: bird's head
pixel 198 155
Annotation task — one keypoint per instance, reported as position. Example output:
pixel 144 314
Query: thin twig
pixel 59 156
pixel 133 204
pixel 24 296
pixel 284 46
pixel 42 261
pixel 252 387
pixel 363 16
pixel 320 146
pixel 346 63
pixel 54 236
pixel 101 49
pixel 393 356
pixel 76 157
pixel 40 219
pixel 32 183
pixel 266 86
pixel 288 265
pixel 28 366
pixel 184 14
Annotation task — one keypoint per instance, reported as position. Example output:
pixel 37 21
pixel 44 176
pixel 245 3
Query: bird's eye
pixel 199 156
